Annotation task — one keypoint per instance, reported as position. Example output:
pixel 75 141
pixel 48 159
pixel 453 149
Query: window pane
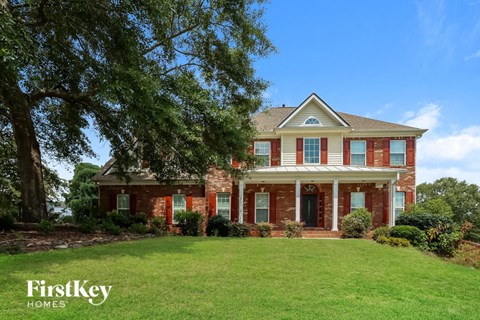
pixel 261 200
pixel 397 159
pixel 357 159
pixel 357 147
pixel 123 201
pixel 261 215
pixel 262 148
pixel 224 213
pixel 223 204
pixel 357 200
pixel 397 213
pixel 179 201
pixel 397 146
pixel 400 200
pixel 312 150
pixel 312 121
pixel 262 161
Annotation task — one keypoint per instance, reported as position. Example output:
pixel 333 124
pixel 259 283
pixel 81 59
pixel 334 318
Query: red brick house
pixel 314 165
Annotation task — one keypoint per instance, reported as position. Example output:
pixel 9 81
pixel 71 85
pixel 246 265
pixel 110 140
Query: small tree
pixel 83 195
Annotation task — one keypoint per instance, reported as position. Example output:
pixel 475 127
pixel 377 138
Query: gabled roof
pixel 366 124
pixel 322 104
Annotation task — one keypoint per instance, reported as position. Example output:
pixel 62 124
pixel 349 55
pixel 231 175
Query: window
pixel 223 204
pixel 357 153
pixel 397 152
pixel 261 207
pixel 262 153
pixel 399 203
pixel 123 203
pixel 179 204
pixel 311 150
pixel 357 200
pixel 312 121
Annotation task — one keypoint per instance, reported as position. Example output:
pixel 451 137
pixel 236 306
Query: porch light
pixel 358 189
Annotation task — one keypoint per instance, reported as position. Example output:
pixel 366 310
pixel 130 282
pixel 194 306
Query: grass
pixel 205 278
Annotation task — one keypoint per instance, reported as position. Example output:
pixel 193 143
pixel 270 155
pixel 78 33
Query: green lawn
pixel 253 278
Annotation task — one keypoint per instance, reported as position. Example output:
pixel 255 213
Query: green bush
pixel 159 225
pixel 110 227
pixel 66 219
pixel 138 228
pixel 218 226
pixel 381 231
pixel 240 230
pixel 139 217
pixel 293 229
pixel 264 229
pixel 356 224
pixel 88 225
pixel 441 242
pixel 6 221
pixel 424 221
pixel 416 236
pixel 121 219
pixel 392 241
pixel 189 222
pixel 45 226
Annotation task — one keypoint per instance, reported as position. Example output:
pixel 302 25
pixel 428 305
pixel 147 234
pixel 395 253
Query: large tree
pixel 462 197
pixel 169 81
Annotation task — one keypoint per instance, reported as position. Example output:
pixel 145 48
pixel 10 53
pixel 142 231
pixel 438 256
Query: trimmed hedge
pixel 425 221
pixel 416 236
pixel 381 231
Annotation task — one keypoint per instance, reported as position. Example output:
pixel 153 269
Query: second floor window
pixel 357 153
pixel 262 153
pixel 397 152
pixel 311 150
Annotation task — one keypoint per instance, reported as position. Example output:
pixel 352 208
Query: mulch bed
pixel 33 241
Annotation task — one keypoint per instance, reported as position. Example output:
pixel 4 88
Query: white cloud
pixel 426 118
pixel 473 56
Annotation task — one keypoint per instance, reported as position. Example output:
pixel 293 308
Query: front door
pixel 309 209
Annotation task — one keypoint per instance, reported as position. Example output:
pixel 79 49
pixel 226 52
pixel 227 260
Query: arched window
pixel 312 121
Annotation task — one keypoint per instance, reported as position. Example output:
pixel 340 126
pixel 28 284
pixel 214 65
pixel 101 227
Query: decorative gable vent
pixel 312 121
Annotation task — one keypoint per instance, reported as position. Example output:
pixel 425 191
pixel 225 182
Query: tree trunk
pixel 29 158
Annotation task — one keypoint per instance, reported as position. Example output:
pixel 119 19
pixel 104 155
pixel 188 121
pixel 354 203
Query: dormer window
pixel 312 121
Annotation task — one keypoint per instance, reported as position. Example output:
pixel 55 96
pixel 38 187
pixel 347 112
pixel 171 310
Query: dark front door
pixel 309 210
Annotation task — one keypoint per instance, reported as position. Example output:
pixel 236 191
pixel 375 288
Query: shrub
pixel 45 226
pixel 159 225
pixel 66 219
pixel 264 229
pixel 241 230
pixel 189 222
pixel 138 228
pixel 121 219
pixel 381 231
pixel 424 221
pixel 443 243
pixel 218 226
pixel 392 241
pixel 89 225
pixel 6 221
pixel 356 224
pixel 293 229
pixel 139 217
pixel 110 227
pixel 416 236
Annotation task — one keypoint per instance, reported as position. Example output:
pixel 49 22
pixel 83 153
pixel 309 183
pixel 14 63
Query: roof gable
pixel 316 111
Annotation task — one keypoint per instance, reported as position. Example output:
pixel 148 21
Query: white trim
pixel 241 186
pixel 281 150
pixel 297 200
pixel 268 206
pixel 335 205
pixel 326 107
pixel 312 124
pixel 319 150
pixel 229 204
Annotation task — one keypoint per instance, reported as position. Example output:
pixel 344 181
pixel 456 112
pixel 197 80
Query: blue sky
pixel 411 62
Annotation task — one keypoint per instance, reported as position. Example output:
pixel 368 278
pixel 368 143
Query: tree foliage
pixel 83 195
pixel 437 206
pixel 168 81
pixel 462 197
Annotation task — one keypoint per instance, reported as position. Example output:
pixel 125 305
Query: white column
pixel 335 206
pixel 297 200
pixel 392 202
pixel 240 201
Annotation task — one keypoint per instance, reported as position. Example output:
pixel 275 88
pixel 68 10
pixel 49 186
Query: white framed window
pixel 261 207
pixel 397 152
pixel 357 200
pixel 311 150
pixel 357 153
pixel 399 203
pixel 312 121
pixel 223 204
pixel 179 204
pixel 262 153
pixel 123 203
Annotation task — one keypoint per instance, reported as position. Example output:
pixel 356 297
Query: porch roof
pixel 327 168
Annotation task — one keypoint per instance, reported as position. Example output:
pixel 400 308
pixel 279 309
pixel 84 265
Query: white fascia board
pixel 385 134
